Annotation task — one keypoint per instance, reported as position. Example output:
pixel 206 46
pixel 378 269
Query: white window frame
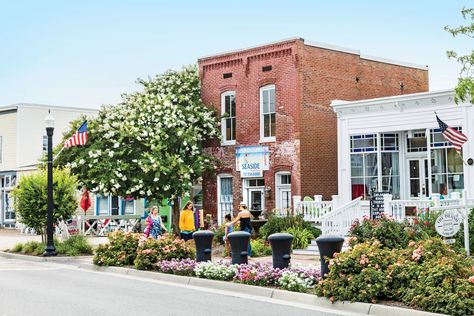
pixel 279 188
pixel 121 204
pixel 262 128
pixel 225 141
pixel 219 208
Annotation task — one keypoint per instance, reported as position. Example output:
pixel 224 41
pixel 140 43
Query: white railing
pixel 397 208
pixel 313 211
pixel 339 221
pixel 103 224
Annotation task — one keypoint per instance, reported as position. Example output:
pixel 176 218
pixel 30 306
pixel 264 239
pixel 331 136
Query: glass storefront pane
pixel 455 183
pixel 455 163
pixel 438 161
pixel 370 165
pixel 358 187
pixel 357 164
pixel 392 185
pixel 390 164
pixel 439 184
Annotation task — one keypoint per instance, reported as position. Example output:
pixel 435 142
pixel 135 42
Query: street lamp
pixel 50 250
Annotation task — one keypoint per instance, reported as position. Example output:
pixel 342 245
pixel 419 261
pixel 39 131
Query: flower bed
pixel 426 273
pixel 295 278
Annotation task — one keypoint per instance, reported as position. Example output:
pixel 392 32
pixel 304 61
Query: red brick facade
pixel 306 79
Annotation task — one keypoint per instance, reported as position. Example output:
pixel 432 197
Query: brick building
pixel 279 132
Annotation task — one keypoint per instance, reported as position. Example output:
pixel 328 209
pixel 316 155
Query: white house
pixel 22 142
pixel 394 145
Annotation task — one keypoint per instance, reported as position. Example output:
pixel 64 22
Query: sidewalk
pixel 11 237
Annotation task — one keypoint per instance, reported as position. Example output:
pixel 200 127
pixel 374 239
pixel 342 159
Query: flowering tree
pixel 149 145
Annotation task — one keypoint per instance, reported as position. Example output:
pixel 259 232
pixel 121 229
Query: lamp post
pixel 50 250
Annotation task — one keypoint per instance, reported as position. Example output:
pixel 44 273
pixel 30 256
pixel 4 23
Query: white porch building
pixel 394 145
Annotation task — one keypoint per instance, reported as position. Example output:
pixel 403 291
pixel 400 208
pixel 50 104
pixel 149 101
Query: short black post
pixel 327 246
pixel 239 242
pixel 203 242
pixel 281 249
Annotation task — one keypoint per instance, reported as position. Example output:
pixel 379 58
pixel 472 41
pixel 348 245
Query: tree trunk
pixel 175 216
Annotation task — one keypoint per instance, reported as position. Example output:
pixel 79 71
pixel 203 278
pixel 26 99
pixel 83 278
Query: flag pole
pixel 58 154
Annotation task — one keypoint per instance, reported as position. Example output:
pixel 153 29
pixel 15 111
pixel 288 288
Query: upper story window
pixel 267 113
pixel 228 118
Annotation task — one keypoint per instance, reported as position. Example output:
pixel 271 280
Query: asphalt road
pixel 28 288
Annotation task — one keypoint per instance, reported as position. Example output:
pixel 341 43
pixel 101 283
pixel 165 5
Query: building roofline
pixel 45 106
pixel 341 104
pixel 319 45
pixel 234 51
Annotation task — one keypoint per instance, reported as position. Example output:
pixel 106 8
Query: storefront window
pixel 363 165
pixel 446 171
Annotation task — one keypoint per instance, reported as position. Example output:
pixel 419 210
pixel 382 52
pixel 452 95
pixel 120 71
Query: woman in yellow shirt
pixel 186 221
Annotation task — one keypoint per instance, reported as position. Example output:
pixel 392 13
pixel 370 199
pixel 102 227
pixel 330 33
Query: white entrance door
pixel 418 178
pixel 256 199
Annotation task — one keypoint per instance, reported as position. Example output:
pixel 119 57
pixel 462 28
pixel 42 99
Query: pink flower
pixel 411 244
pixel 471 279
pixel 331 299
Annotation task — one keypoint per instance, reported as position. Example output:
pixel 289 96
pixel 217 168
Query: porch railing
pixel 339 221
pixel 313 211
pixel 103 224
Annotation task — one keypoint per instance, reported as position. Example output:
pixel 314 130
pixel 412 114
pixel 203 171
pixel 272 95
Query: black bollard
pixel 281 249
pixel 327 246
pixel 203 242
pixel 239 242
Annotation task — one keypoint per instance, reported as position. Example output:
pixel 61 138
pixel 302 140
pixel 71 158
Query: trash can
pixel 239 242
pixel 203 242
pixel 281 249
pixel 327 246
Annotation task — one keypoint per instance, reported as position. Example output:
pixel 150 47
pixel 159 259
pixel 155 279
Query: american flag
pixel 78 138
pixel 455 137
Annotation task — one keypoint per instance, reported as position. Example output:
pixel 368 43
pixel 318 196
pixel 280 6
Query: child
pixel 228 230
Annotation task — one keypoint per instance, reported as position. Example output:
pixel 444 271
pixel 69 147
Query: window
pixel 228 123
pixel 283 190
pixel 128 206
pixel 45 143
pixel 224 192
pixel 364 173
pixel 390 164
pixel 416 142
pixel 447 174
pixel 256 182
pixel 102 205
pixel 267 113
pixel 1 149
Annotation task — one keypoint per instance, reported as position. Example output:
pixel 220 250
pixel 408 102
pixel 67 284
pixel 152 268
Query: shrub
pixel 31 199
pixel 166 247
pixel 260 248
pixel 121 250
pixel 73 246
pixel 175 266
pixel 17 248
pixel 216 271
pixel 34 248
pixel 301 237
pixel 427 274
pixel 278 224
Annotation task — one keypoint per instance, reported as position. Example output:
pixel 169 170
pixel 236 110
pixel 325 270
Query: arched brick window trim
pixel 224 170
pixel 281 168
pixel 229 87
pixel 267 81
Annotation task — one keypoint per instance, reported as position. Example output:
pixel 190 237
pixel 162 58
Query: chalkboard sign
pixel 376 204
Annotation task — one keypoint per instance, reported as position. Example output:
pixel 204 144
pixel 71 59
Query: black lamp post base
pixel 50 252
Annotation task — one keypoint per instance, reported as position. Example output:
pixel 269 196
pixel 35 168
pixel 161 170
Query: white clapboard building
pixel 395 145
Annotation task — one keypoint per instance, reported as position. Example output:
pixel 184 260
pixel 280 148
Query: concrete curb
pixel 9 255
pixel 303 298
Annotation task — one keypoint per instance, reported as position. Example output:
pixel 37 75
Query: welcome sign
pixel 252 160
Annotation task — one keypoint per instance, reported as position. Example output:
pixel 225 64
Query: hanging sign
pixel 251 161
pixel 448 223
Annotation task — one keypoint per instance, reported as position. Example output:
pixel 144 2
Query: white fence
pixel 101 225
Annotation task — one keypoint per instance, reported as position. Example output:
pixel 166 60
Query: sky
pixel 87 53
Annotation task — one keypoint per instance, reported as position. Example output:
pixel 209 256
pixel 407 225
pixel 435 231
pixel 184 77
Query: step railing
pixel 313 211
pixel 103 224
pixel 339 221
